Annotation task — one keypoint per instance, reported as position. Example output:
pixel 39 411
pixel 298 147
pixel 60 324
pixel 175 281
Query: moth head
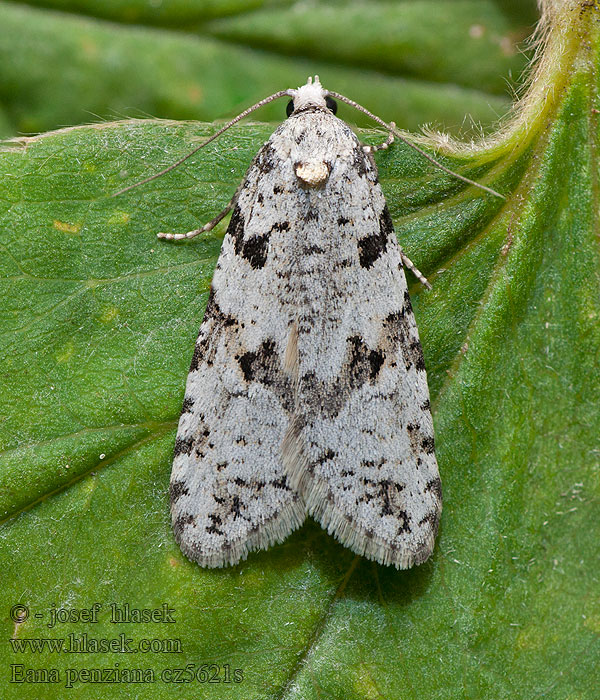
pixel 313 94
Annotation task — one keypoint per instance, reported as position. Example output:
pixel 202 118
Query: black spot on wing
pixel 326 456
pixel 236 226
pixel 264 366
pixel 213 325
pixel 196 357
pixel 313 250
pixel 403 522
pixel 180 522
pixel 188 405
pixel 364 164
pixel 259 365
pixel 280 483
pixel 428 444
pixel 400 330
pixel 214 528
pixel 236 507
pixel 214 313
pixel 432 518
pixel 183 446
pixel 415 356
pixel 254 250
pixel 435 486
pixel 360 161
pixel 266 159
pixel 421 440
pixel 386 225
pixel 177 489
pixel 361 365
pixel 371 248
pixel 364 364
pixel 386 493
pixel 394 328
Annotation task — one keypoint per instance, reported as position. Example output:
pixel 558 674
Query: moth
pixel 307 392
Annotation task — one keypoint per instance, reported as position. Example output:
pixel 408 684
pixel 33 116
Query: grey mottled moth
pixel 307 392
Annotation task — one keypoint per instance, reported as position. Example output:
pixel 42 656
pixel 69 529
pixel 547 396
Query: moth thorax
pixel 313 173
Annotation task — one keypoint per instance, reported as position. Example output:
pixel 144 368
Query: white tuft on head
pixel 311 94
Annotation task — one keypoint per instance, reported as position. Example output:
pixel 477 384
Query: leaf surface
pixel 104 59
pixel 97 330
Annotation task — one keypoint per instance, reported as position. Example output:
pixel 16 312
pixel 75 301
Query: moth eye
pixel 290 108
pixel 331 104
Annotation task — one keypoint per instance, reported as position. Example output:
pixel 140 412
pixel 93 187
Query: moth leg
pixel 204 229
pixel 417 273
pixel 382 146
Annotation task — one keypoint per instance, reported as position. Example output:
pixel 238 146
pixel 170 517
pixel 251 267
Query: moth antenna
pixel 393 130
pixel 245 113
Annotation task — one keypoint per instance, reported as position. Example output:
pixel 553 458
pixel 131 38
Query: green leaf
pixel 204 59
pixel 97 329
pixel 395 36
